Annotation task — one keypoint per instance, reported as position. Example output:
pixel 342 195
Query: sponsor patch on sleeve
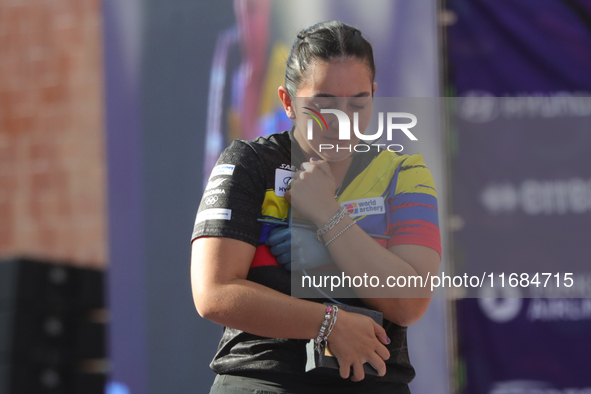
pixel 214 214
pixel 222 169
pixel 365 206
pixel 281 179
pixel 215 183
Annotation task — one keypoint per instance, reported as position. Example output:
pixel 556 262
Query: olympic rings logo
pixel 210 200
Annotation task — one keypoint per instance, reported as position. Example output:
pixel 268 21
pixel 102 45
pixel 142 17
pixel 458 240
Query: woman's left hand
pixel 296 248
pixel 312 192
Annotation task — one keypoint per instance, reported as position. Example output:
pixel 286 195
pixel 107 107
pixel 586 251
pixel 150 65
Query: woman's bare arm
pixel 222 293
pixel 357 254
pixel 219 267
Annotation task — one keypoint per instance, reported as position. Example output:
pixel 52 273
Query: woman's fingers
pixel 354 342
pixel 323 165
pixel 355 370
pixel 378 363
pixel 383 352
pixel 344 369
pixel 381 333
pixel 358 372
pixel 319 164
pixel 306 166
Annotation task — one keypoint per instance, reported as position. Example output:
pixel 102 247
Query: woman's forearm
pixel 259 310
pixel 357 254
pixel 221 292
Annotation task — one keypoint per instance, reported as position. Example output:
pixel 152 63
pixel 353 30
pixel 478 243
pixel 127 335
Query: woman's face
pixel 344 84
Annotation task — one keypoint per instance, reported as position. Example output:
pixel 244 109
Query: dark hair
pixel 325 41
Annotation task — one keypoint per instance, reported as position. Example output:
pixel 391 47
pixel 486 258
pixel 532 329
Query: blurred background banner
pixel 522 188
pixel 513 48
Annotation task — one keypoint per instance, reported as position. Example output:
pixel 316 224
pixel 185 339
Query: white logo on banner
pixel 481 107
pixel 500 310
pixel 538 197
pixel 533 387
pixel 559 309
pixel 478 107
pixel 500 304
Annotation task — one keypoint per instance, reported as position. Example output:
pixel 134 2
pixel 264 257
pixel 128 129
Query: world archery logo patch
pixel 352 208
pixel 222 169
pixel 365 206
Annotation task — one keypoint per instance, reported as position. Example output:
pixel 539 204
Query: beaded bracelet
pixel 332 322
pixel 330 318
pixel 331 223
pixel 340 232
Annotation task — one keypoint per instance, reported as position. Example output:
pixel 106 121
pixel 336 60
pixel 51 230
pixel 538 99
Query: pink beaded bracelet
pixel 330 318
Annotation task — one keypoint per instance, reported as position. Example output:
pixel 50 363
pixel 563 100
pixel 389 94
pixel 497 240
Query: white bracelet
pixel 332 322
pixel 337 217
pixel 330 318
pixel 340 232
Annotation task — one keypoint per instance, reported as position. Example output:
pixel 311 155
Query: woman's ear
pixel 286 101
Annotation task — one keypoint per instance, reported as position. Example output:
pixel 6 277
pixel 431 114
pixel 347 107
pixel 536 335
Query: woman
pixel 237 281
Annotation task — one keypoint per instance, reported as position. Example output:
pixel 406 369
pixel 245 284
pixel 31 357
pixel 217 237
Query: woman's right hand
pixel 355 340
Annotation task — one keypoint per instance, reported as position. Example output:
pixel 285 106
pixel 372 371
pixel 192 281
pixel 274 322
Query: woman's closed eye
pixel 359 102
